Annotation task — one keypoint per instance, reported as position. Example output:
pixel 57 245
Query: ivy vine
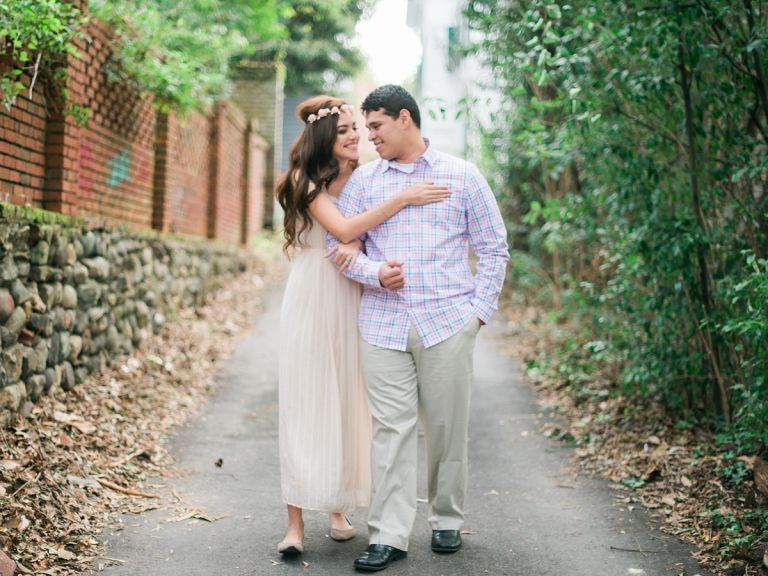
pixel 35 35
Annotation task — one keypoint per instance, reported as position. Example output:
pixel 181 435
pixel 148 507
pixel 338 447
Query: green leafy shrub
pixel 35 35
pixel 628 144
pixel 181 52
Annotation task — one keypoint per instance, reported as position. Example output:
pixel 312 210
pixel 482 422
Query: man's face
pixel 386 133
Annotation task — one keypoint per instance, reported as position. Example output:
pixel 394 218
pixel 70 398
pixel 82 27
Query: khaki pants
pixel 433 383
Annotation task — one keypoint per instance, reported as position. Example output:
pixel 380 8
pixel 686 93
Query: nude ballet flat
pixel 290 548
pixel 343 534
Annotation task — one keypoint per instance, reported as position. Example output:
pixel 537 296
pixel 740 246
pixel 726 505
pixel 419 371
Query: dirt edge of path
pixel 672 472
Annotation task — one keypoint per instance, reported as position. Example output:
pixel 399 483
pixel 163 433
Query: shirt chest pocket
pixel 446 214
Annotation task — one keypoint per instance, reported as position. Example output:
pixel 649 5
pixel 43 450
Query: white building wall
pixel 440 87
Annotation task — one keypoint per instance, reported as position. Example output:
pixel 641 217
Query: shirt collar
pixel 429 155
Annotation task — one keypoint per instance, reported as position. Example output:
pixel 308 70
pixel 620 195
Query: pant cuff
pixel 394 541
pixel 447 524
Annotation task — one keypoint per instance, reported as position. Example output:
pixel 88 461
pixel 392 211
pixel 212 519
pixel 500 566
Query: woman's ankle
pixel 294 531
pixel 338 519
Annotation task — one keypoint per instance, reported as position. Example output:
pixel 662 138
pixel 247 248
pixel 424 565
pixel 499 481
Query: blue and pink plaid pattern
pixel 441 294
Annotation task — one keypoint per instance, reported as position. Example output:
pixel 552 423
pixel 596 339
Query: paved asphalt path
pixel 526 515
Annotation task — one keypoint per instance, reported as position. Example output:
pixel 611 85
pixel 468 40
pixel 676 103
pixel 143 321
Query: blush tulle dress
pixel 325 424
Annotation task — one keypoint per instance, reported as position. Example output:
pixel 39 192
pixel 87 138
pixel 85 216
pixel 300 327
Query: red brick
pixel 168 184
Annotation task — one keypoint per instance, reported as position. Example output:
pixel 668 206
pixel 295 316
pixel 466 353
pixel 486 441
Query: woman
pixel 325 426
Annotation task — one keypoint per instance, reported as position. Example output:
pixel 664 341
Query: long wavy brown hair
pixel 310 161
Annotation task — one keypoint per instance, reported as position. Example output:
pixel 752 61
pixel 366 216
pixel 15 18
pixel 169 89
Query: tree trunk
pixel 760 87
pixel 701 248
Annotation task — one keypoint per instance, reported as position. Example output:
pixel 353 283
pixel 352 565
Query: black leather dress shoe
pixel 446 541
pixel 378 556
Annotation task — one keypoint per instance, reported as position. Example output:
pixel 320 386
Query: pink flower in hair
pixel 323 112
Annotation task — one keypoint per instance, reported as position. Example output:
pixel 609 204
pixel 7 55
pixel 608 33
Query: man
pixel 420 313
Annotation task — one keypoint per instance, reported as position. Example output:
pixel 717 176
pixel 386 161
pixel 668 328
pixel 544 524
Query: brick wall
pixel 62 144
pixel 131 164
pixel 116 149
pixel 227 174
pixel 22 147
pixel 182 173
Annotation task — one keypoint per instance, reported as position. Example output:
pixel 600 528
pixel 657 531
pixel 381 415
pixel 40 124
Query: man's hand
pixel 391 275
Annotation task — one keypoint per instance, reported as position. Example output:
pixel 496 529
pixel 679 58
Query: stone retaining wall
pixel 73 298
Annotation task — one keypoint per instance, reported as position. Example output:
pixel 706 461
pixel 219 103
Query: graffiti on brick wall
pixel 145 170
pixel 119 169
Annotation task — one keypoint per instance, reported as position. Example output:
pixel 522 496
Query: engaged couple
pixel 378 323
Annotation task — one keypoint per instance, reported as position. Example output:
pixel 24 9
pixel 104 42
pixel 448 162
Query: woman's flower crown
pixel 323 112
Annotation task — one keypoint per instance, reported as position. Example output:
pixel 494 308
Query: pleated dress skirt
pixel 325 424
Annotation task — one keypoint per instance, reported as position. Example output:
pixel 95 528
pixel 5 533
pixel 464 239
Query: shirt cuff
pixel 366 272
pixel 483 310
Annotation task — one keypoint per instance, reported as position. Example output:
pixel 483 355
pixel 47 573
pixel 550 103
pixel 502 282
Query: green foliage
pixel 317 47
pixel 742 531
pixel 15 213
pixel 727 522
pixel 629 147
pixel 180 51
pixel 735 472
pixel 36 34
pixel 633 482
pixel 531 280
pixel 183 52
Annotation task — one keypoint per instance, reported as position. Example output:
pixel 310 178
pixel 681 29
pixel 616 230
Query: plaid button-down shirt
pixel 440 294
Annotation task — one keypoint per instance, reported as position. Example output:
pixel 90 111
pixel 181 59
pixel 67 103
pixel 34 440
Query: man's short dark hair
pixel 391 99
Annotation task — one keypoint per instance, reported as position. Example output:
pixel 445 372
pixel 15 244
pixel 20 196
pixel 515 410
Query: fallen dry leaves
pixel 82 456
pixel 671 472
